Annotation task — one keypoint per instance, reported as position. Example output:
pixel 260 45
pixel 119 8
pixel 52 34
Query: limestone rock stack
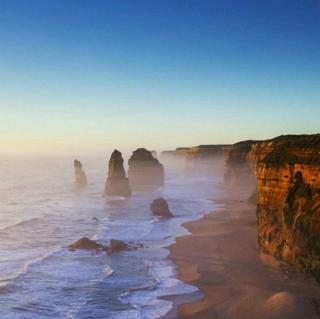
pixel 145 171
pixel 80 175
pixel 117 183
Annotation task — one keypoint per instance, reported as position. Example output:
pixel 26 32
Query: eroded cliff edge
pixel 201 159
pixel 287 178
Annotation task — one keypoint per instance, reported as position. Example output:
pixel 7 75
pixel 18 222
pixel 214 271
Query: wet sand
pixel 221 257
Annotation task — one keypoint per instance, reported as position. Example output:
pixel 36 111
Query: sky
pixel 87 76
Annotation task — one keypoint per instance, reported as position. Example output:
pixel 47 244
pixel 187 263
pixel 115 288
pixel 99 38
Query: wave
pixel 108 270
pixel 9 282
pixel 147 302
pixel 20 223
pixel 83 281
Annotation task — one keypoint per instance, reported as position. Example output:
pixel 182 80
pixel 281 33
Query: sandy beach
pixel 221 257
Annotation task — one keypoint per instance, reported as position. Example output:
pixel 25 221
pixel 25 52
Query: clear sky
pixel 88 76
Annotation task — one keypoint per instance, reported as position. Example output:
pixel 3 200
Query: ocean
pixel 42 211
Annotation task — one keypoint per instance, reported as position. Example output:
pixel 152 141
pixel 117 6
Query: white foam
pixel 108 270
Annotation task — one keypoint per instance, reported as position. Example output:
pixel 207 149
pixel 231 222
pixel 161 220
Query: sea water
pixel 42 211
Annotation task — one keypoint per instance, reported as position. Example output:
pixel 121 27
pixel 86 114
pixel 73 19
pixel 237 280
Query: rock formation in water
pixel 145 171
pixel 117 246
pixel 160 207
pixel 117 183
pixel 114 246
pixel 86 243
pixel 287 169
pixel 80 175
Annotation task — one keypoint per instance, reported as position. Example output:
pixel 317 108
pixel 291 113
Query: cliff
pixel 287 171
pixel 145 171
pixel 199 159
pixel 117 183
pixel 288 201
pixel 198 152
pixel 240 164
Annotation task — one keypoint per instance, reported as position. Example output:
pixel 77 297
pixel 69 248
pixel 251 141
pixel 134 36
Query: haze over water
pixel 81 78
pixel 42 211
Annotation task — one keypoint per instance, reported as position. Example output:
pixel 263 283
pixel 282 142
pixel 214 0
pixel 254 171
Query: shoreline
pixel 222 259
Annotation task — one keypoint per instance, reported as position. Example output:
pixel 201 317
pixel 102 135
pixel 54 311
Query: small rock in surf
pixel 160 207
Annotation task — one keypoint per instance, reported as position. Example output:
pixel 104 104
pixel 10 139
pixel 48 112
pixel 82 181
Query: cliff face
pixel 145 171
pixel 288 201
pixel 80 175
pixel 198 152
pixel 206 152
pixel 287 171
pixel 117 183
pixel 239 164
pixel 198 159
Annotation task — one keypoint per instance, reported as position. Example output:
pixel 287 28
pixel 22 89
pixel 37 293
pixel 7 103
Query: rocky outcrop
pixel 287 173
pixel 117 183
pixel 288 201
pixel 160 207
pixel 115 245
pixel 80 175
pixel 87 244
pixel 145 171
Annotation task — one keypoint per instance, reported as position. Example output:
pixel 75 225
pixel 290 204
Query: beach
pixel 222 258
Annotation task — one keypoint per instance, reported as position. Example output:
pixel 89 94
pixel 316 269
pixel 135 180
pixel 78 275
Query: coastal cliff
pixel 240 163
pixel 198 159
pixel 287 171
pixel 288 201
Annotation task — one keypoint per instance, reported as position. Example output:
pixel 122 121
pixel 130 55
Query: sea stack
pixel 145 171
pixel 117 183
pixel 81 178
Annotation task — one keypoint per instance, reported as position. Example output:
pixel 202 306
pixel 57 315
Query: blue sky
pixel 89 76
